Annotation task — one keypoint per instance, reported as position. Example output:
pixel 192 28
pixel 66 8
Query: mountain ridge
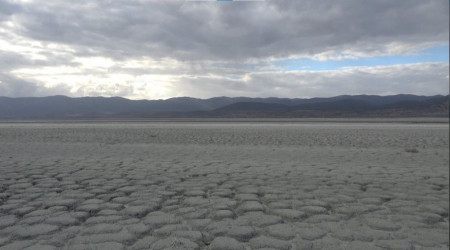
pixel 63 107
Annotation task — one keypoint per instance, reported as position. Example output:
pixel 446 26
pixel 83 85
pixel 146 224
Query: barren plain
pixel 210 185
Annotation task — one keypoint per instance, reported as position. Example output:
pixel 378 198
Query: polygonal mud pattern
pixel 223 186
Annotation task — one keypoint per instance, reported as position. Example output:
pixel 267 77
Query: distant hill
pixel 436 106
pixel 62 107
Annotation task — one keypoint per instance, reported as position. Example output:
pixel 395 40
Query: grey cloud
pixel 213 43
pixel 420 79
pixel 15 87
pixel 12 60
pixel 233 31
pixel 7 9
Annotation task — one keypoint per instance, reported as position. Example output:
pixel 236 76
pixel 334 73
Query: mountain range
pixel 63 107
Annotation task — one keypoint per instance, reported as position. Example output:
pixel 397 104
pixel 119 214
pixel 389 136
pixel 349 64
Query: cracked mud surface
pixel 224 186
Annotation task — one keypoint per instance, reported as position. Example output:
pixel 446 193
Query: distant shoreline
pixel 440 120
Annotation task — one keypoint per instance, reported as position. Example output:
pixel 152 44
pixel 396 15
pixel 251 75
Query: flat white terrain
pixel 210 185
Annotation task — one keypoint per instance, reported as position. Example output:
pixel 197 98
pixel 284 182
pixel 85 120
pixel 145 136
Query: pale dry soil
pixel 224 186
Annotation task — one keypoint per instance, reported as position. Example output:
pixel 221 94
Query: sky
pixel 159 49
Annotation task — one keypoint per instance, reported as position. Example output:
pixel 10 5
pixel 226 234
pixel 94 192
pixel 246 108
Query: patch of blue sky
pixel 233 77
pixel 434 54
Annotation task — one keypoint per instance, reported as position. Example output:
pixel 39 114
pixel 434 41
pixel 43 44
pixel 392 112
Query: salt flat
pixel 241 185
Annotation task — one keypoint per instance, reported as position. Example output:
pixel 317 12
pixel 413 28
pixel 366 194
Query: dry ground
pixel 224 186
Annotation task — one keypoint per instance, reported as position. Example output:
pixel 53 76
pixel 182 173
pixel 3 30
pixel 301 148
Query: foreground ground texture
pixel 224 186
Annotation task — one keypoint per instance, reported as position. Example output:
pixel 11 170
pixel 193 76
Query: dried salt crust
pixel 224 186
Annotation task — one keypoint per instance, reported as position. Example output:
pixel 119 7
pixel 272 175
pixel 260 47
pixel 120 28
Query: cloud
pixel 161 49
pixel 239 31
pixel 420 79
pixel 7 9
pixel 15 87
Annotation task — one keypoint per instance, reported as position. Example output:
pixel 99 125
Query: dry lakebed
pixel 224 185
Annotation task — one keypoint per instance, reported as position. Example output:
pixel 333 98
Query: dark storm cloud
pixel 232 31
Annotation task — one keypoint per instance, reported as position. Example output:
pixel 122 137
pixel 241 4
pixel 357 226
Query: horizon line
pixel 180 97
